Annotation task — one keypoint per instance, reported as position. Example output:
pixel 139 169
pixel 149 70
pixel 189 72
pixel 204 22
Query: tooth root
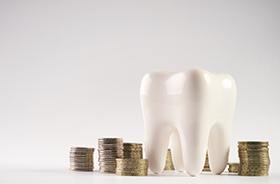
pixel 156 145
pixel 176 151
pixel 218 147
pixel 187 105
pixel 194 139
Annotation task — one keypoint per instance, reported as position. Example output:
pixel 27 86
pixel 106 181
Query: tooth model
pixel 193 111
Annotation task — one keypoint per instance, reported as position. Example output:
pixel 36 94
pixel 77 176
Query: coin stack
pixel 132 150
pixel 81 158
pixel 233 167
pixel 254 158
pixel 168 163
pixel 206 164
pixel 108 150
pixel 132 167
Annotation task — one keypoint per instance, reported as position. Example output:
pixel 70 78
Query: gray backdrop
pixel 70 70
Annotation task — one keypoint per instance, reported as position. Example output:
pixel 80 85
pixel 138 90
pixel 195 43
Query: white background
pixel 70 70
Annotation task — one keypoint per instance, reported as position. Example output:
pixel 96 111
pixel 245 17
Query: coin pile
pixel 108 150
pixel 168 163
pixel 81 158
pixel 206 164
pixel 233 167
pixel 132 150
pixel 132 167
pixel 254 158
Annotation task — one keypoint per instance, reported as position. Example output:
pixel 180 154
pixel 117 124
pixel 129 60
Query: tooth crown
pixel 191 112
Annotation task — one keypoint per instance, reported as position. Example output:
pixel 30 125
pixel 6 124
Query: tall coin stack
pixel 254 158
pixel 168 163
pixel 108 150
pixel 132 150
pixel 206 164
pixel 132 167
pixel 81 159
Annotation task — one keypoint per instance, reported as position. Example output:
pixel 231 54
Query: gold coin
pixel 109 150
pixel 132 150
pixel 254 158
pixel 206 167
pixel 81 158
pixel 169 163
pixel 233 167
pixel 132 167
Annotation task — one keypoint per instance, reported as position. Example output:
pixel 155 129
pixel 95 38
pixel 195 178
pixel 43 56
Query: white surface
pixel 70 71
pixel 193 111
pixel 56 176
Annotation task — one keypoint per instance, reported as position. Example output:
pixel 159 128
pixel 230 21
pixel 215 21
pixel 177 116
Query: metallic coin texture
pixel 168 163
pixel 108 150
pixel 81 159
pixel 254 158
pixel 132 167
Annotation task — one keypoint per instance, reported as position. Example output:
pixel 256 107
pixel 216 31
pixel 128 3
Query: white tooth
pixel 194 110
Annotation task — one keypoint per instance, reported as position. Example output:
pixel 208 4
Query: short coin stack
pixel 132 167
pixel 233 167
pixel 168 163
pixel 132 163
pixel 206 164
pixel 108 150
pixel 254 158
pixel 81 158
pixel 132 150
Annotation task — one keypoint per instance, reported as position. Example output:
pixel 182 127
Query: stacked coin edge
pixel 132 167
pixel 254 158
pixel 108 150
pixel 168 162
pixel 132 150
pixel 206 167
pixel 81 159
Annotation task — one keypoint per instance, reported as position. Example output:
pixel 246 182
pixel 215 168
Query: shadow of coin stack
pixel 109 149
pixel 168 163
pixel 132 164
pixel 81 159
pixel 206 164
pixel 254 158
